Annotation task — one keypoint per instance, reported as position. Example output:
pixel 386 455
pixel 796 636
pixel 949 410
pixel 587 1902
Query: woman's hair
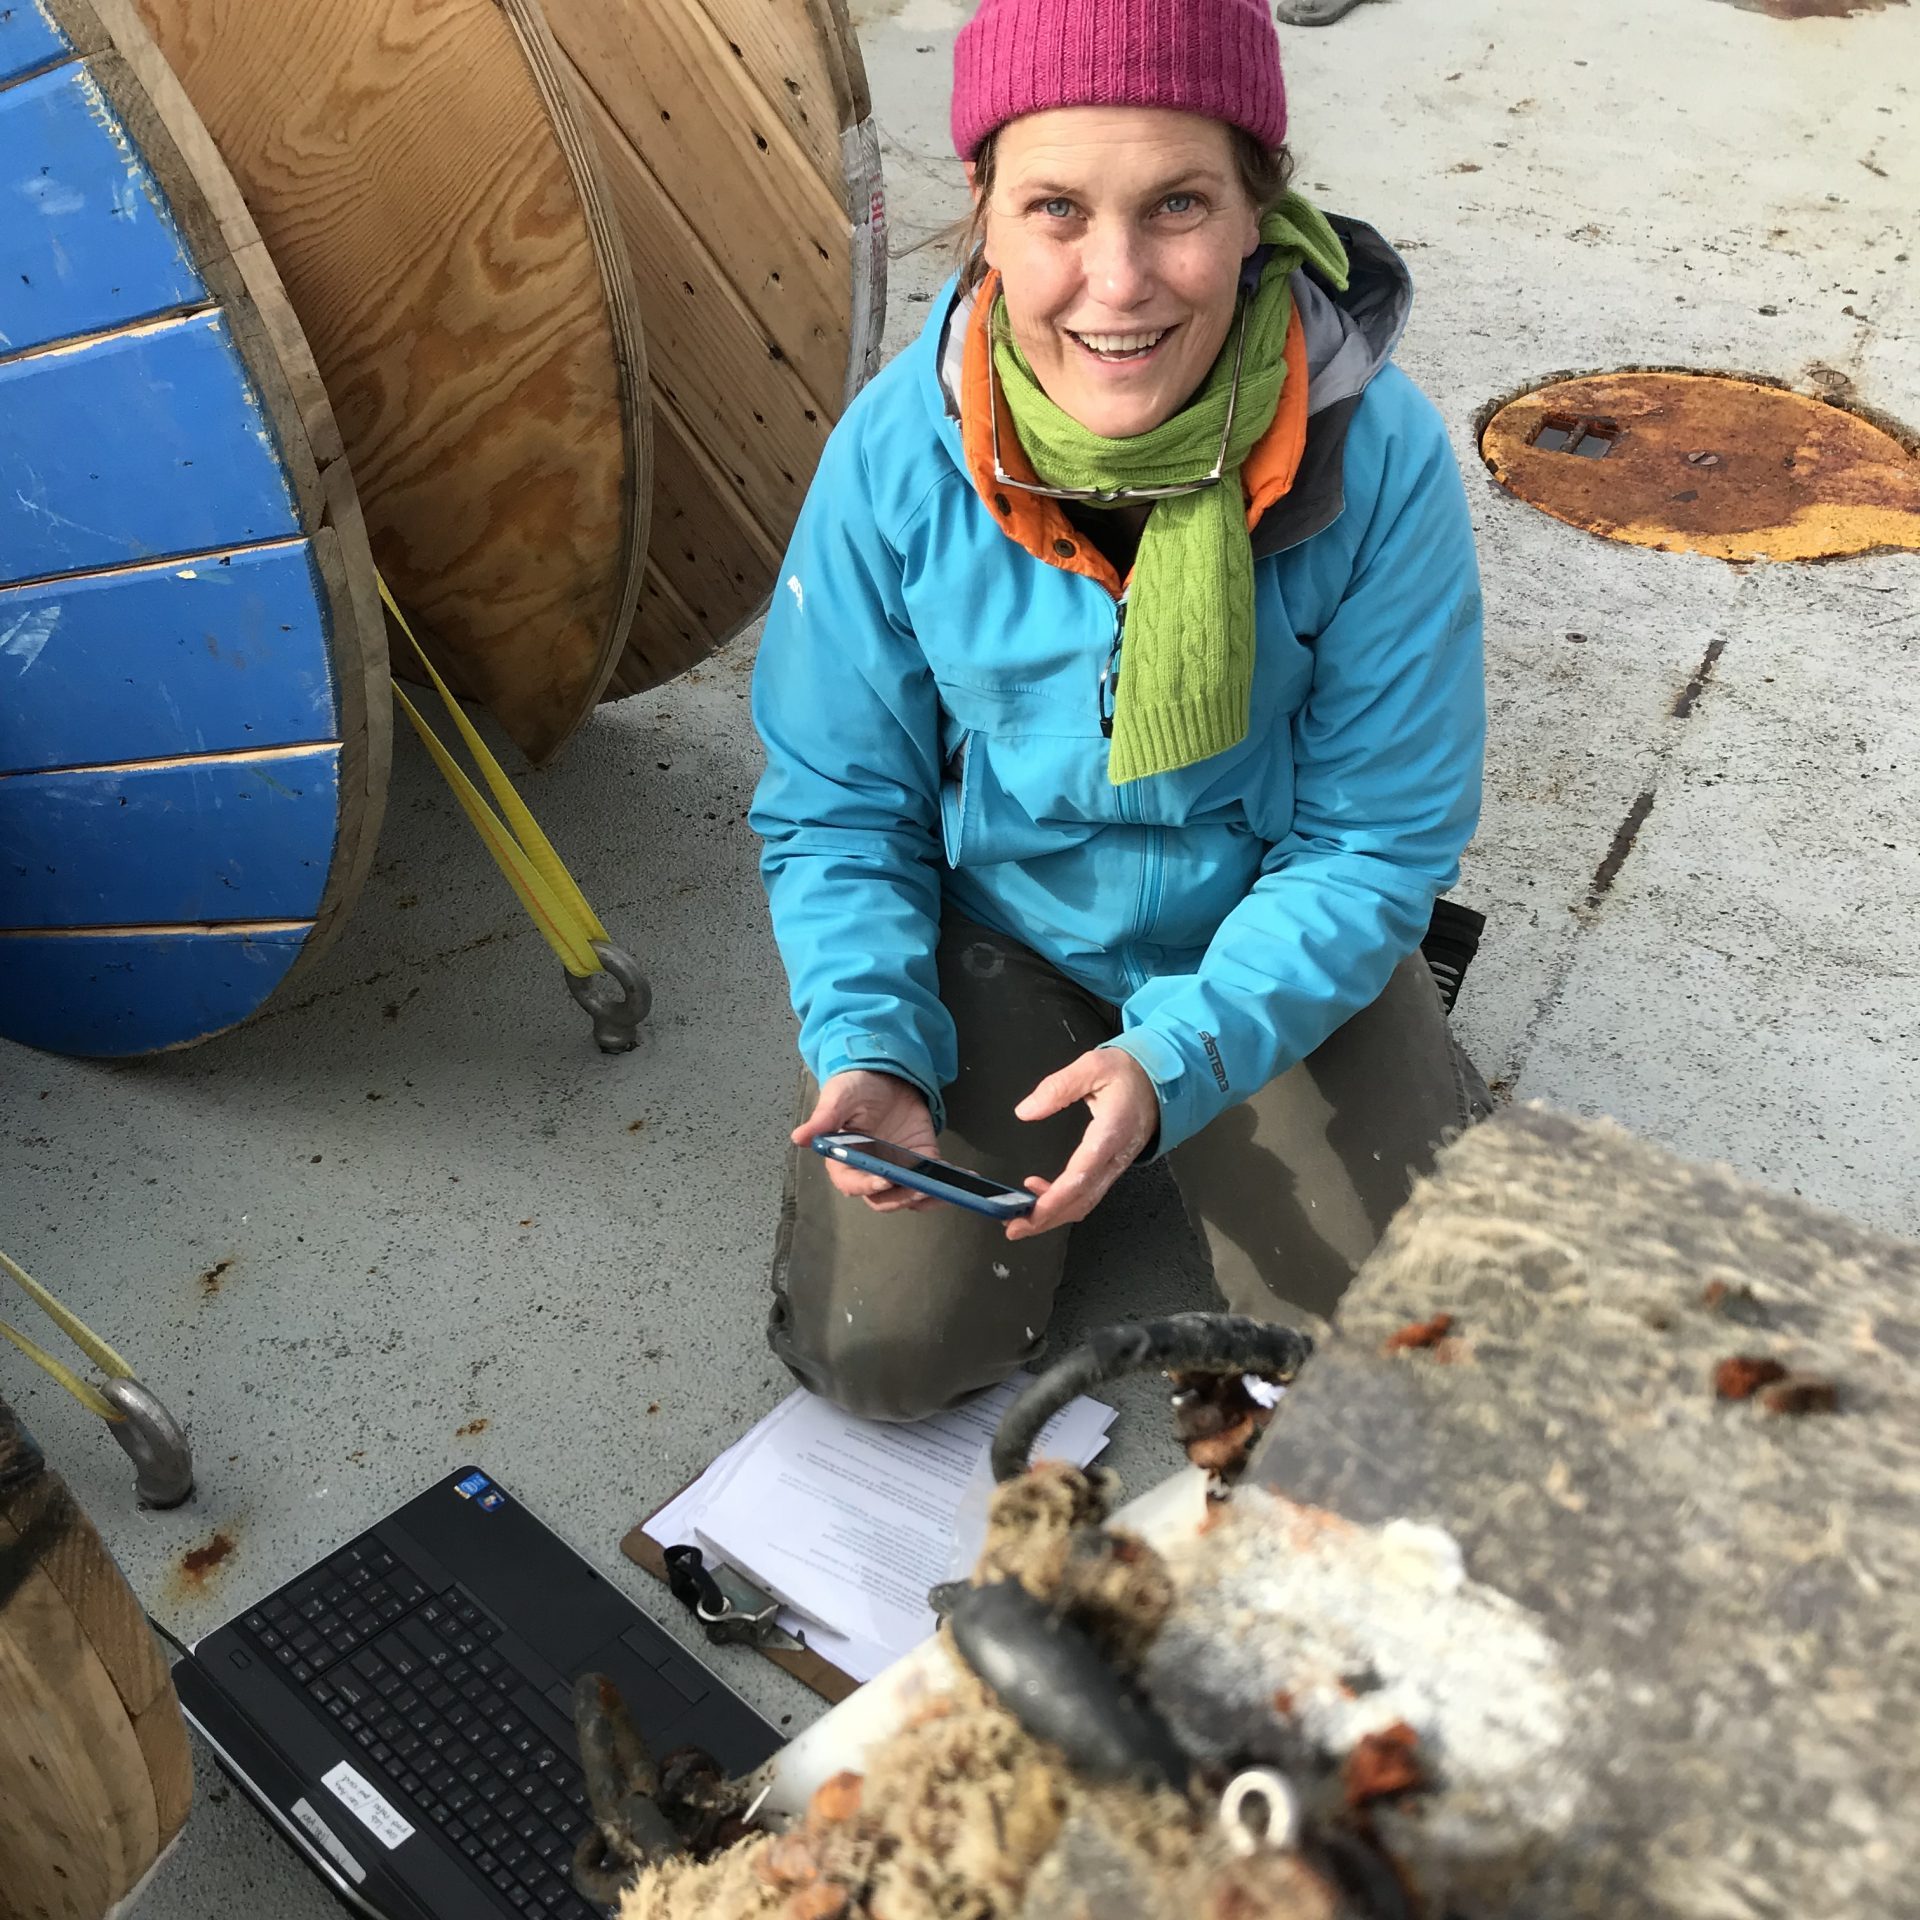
pixel 1265 173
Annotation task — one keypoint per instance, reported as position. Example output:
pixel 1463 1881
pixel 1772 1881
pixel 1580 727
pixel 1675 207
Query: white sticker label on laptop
pixel 330 1846
pixel 367 1804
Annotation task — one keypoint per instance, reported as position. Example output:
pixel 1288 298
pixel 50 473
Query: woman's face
pixel 1119 233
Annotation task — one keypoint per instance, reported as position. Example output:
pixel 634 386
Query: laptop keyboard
pixel 412 1678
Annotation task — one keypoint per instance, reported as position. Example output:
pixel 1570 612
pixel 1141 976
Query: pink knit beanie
pixel 1219 58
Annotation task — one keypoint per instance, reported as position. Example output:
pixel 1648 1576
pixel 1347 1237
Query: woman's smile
pixel 1121 351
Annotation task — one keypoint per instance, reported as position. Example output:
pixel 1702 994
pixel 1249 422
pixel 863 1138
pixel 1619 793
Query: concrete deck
pixel 412 1218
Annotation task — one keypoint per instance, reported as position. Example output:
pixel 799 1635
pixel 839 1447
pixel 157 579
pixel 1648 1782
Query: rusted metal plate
pixel 1705 463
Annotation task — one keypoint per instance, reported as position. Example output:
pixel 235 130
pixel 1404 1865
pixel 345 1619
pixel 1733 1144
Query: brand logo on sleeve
pixel 1214 1061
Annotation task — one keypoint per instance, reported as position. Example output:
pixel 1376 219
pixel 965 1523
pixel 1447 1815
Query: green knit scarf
pixel 1186 672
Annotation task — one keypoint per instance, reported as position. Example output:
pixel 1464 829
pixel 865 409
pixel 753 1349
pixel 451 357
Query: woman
pixel 1123 713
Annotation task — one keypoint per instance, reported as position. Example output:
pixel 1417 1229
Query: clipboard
pixel 831 1453
pixel 819 1675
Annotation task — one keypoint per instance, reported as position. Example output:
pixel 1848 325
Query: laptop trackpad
pixel 658 1701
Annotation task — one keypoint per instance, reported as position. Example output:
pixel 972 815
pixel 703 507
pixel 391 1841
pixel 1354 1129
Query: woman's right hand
pixel 889 1109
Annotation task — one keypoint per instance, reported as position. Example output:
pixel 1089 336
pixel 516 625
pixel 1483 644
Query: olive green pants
pixel 894 1316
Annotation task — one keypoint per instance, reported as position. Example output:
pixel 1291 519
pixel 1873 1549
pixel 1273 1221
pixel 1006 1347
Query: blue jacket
pixel 929 697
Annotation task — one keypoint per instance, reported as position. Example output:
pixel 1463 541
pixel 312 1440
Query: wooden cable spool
pixel 436 211
pixel 95 1773
pixel 195 727
pixel 737 141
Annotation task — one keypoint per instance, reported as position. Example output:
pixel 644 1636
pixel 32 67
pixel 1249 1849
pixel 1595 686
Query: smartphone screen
pixel 956 1177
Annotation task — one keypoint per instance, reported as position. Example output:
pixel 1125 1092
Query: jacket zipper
pixel 1152 859
pixel 1106 698
pixel 1110 695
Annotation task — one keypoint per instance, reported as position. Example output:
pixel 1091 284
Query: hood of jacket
pixel 1350 337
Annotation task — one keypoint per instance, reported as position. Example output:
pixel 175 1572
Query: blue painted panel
pixel 28 39
pixel 133 448
pixel 204 656
pixel 191 840
pixel 87 241
pixel 114 995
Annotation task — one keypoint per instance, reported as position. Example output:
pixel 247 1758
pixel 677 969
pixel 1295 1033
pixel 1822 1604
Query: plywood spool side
pixel 418 170
pixel 745 170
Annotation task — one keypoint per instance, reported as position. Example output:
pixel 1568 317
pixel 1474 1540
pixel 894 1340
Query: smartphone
pixel 905 1168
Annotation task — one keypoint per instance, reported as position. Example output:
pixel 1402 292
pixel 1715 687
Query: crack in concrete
pixel 1615 857
pixel 1613 861
pixel 275 1010
pixel 1702 674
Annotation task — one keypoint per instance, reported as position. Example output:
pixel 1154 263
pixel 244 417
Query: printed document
pixel 848 1522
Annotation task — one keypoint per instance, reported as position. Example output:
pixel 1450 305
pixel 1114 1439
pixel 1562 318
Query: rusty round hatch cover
pixel 1704 463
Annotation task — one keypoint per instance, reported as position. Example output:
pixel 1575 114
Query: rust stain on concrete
pixel 1708 463
pixel 199 1564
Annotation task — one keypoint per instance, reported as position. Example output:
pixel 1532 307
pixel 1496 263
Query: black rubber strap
pixel 1182 1343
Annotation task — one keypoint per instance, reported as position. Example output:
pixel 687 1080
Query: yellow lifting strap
pixel 76 1330
pixel 525 855
pixel 145 1431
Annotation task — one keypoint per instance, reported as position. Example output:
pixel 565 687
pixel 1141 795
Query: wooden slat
pixel 216 839
pixel 363 690
pixel 717 557
pixel 671 628
pixel 742 392
pixel 44 1525
pixel 725 126
pixel 440 234
pixel 109 996
pixel 665 75
pixel 661 633
pixel 78 1815
pixel 72 1555
pixel 221 651
pixel 87 244
pixel 710 501
pixel 161 1735
pixel 714 562
pixel 134 446
pixel 28 39
pixel 853 99
pixel 783 52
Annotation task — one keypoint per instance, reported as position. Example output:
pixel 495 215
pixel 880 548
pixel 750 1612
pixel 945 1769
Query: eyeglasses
pixel 1119 496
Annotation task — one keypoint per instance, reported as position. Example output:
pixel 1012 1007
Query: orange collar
pixel 1040 525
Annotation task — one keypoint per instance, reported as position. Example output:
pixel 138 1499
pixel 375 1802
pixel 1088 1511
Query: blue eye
pixel 1180 203
pixel 1057 208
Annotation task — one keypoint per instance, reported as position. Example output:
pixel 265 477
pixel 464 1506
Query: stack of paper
pixel 848 1522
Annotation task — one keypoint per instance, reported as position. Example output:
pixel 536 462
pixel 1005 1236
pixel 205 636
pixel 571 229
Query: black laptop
pixel 402 1711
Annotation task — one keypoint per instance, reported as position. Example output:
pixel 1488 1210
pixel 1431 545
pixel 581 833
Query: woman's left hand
pixel 1126 1113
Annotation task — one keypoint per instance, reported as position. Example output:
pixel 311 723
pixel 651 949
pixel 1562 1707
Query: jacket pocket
pixel 982 824
pixel 955 791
